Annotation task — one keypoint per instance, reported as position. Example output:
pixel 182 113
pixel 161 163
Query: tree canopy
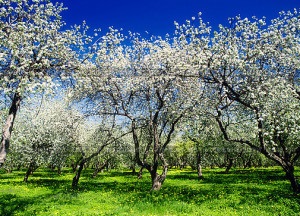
pixel 237 86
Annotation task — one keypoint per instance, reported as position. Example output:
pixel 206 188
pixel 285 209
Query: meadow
pixel 256 191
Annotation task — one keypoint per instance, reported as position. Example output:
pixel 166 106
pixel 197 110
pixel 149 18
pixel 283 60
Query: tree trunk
pixel 99 168
pixel 289 173
pixel 59 170
pixel 199 167
pixel 75 164
pixel 229 165
pixel 199 171
pixel 32 167
pixel 77 176
pixel 247 162
pixel 52 167
pixel 133 171
pixel 140 173
pixel 7 128
pixel 158 180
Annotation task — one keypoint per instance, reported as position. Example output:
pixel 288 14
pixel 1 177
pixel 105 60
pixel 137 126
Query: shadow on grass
pixel 12 175
pixel 233 177
pixel 239 187
pixel 10 203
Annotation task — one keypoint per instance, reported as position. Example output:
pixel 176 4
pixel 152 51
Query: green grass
pixel 241 192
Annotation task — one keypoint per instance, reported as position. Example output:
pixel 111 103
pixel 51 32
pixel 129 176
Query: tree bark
pixel 158 180
pixel 99 168
pixel 133 171
pixel 59 170
pixel 289 173
pixel 32 167
pixel 199 167
pixel 8 127
pixel 140 173
pixel 199 171
pixel 229 165
pixel 78 173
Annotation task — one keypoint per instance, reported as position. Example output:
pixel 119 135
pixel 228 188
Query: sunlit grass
pixel 241 192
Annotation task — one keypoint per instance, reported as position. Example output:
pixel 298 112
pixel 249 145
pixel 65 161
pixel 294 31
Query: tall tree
pixel 45 134
pixel 253 70
pixel 34 52
pixel 138 83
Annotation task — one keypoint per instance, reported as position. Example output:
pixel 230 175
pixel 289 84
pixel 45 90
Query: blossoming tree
pixel 44 135
pixel 34 52
pixel 139 84
pixel 253 68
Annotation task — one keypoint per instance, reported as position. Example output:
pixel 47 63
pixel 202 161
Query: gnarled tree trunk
pixel 7 129
pixel 158 180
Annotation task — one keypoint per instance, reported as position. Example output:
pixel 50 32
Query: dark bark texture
pixel 78 173
pixel 8 127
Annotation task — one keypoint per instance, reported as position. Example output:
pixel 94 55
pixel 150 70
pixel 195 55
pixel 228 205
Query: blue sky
pixel 157 16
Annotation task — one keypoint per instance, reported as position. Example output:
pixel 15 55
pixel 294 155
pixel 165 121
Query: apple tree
pixel 35 52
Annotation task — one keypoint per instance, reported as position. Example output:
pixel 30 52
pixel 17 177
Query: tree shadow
pixel 233 177
pixel 10 203
pixel 185 188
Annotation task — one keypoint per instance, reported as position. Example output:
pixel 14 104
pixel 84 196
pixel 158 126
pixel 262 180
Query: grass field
pixel 241 192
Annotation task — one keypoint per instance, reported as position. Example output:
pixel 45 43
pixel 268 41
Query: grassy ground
pixel 241 192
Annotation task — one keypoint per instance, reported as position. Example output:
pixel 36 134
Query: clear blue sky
pixel 157 16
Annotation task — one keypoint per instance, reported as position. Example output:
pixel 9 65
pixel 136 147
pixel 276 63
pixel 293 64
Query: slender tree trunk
pixel 133 171
pixel 229 165
pixel 99 168
pixel 96 170
pixel 32 167
pixel 140 173
pixel 75 164
pixel 7 128
pixel 199 171
pixel 52 167
pixel 77 176
pixel 59 170
pixel 199 167
pixel 247 162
